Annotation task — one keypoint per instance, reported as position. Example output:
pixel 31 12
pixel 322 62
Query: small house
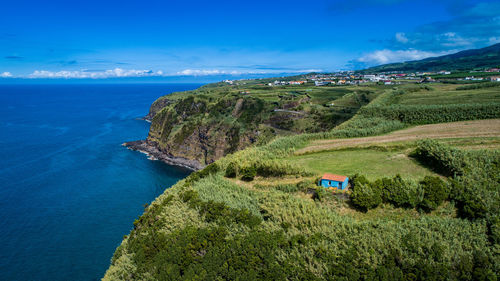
pixel 335 181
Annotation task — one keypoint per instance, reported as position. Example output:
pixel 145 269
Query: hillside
pixel 465 60
pixel 195 128
pixel 417 209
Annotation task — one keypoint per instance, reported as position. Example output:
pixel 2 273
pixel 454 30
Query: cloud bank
pixel 133 73
pixel 113 73
pixel 390 56
pixel 207 72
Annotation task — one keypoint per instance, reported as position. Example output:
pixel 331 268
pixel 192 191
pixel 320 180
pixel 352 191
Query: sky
pixel 208 40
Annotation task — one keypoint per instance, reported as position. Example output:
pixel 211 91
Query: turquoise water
pixel 68 190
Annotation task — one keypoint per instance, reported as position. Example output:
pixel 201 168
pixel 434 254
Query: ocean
pixel 69 191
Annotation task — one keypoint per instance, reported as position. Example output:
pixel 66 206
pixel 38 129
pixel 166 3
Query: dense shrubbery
pixel 365 196
pixel 294 240
pixel 427 114
pixel 435 192
pixel 400 192
pixel 476 179
pixel 406 193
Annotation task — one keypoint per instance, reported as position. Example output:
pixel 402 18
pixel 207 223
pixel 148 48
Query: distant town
pixel 387 78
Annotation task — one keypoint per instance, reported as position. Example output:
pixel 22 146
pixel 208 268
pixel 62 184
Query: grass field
pixel 388 155
pixel 370 162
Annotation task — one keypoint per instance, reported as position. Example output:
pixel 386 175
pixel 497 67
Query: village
pixel 386 78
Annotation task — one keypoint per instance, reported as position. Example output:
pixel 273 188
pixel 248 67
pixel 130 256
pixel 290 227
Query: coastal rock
pixel 154 153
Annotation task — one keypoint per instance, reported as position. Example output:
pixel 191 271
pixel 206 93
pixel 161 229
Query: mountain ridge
pixel 464 60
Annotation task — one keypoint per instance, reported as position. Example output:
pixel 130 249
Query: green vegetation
pixel 479 86
pixel 429 114
pixel 416 210
pixel 476 177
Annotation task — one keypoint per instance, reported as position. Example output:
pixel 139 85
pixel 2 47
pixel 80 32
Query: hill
pixel 416 209
pixel 465 60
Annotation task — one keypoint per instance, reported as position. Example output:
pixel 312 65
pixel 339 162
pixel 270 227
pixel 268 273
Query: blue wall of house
pixel 330 183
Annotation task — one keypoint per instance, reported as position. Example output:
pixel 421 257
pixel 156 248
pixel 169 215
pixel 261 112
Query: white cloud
pixel 121 73
pixel 401 37
pixel 494 40
pixel 6 75
pixel 389 56
pixel 111 73
pixel 207 72
pixel 204 72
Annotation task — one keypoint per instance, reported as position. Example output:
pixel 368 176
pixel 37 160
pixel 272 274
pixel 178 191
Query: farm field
pixel 448 131
pixel 447 94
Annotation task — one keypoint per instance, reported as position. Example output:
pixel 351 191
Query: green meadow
pixel 372 163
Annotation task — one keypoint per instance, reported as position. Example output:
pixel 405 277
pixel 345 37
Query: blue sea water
pixel 68 190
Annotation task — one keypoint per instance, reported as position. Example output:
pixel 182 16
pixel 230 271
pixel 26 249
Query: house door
pixel 340 185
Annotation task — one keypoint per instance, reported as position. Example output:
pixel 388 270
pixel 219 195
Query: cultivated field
pixel 456 130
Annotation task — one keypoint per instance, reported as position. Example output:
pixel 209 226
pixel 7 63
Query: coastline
pixel 154 153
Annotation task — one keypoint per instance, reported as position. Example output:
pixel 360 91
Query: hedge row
pixel 428 114
pixel 427 194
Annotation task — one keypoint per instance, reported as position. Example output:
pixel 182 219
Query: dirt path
pixel 465 129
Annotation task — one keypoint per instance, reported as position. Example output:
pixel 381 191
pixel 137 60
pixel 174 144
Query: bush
pixel 435 192
pixel 476 177
pixel 366 196
pixel 357 180
pixel 231 170
pixel 248 173
pixel 319 193
pixel 401 192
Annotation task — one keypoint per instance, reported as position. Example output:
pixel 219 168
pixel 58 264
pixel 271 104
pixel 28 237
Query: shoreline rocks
pixel 154 153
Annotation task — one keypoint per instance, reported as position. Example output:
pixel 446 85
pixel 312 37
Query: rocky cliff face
pixel 194 132
pixel 195 128
pixel 157 105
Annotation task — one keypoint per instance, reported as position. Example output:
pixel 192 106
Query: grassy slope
pixel 209 226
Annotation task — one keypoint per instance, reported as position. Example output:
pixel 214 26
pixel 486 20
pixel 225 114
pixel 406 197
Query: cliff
pixel 195 128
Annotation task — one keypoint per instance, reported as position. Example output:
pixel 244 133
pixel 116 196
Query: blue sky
pixel 201 39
